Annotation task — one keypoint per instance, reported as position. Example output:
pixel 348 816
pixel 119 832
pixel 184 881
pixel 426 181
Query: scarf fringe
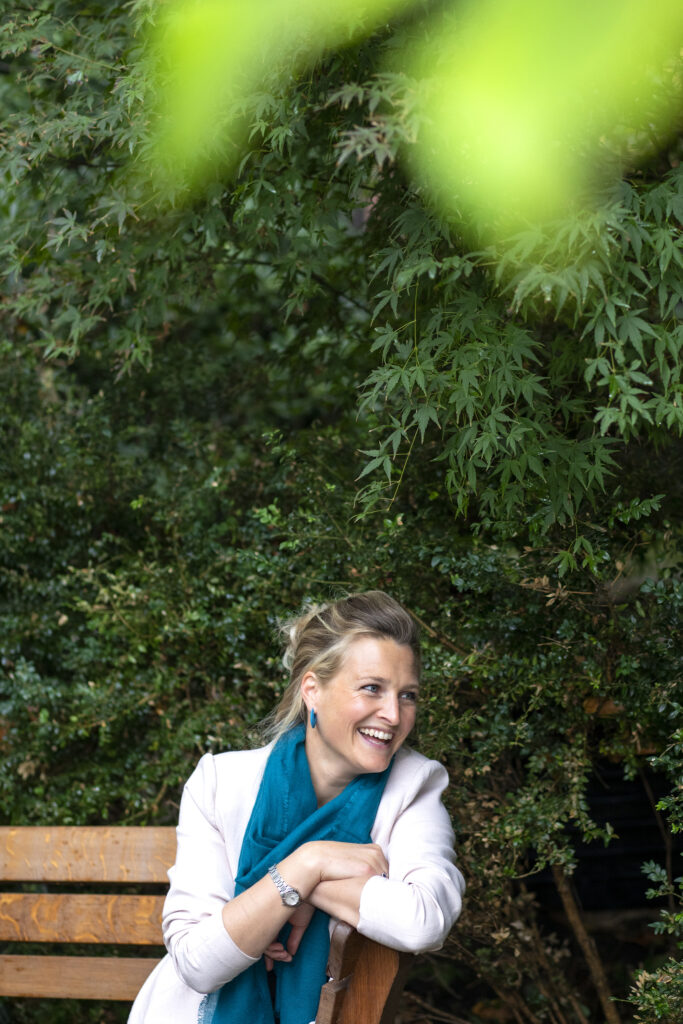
pixel 207 1008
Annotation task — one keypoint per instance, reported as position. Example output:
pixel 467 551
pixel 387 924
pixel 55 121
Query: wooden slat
pixel 97 854
pixel 346 946
pixel 73 977
pixel 332 996
pixel 30 917
pixel 375 985
pixel 366 980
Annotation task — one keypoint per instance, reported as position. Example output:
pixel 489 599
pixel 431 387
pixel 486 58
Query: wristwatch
pixel 290 896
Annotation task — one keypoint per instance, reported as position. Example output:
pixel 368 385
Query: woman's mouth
pixel 377 737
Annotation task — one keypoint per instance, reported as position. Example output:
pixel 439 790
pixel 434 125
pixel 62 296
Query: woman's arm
pixel 415 908
pixel 340 899
pixel 211 934
pixel 338 871
pixel 203 879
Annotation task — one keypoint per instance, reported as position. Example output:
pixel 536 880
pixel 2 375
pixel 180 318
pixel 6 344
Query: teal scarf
pixel 286 815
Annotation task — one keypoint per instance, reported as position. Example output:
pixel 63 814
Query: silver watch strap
pixel 288 894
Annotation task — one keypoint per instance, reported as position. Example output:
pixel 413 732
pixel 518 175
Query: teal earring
pixel 313 719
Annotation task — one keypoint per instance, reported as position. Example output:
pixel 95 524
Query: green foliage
pixel 658 993
pixel 147 551
pixel 521 372
pixel 304 381
pixel 531 380
pixel 488 136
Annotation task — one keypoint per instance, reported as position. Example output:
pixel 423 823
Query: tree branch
pixel 666 835
pixel 588 947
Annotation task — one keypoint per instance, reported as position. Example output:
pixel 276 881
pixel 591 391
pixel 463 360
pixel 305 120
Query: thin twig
pixel 437 636
pixel 441 1015
pixel 153 807
pixel 335 291
pixel 552 995
pixel 587 945
pixel 516 1004
pixel 403 469
pixel 81 56
pixel 666 836
pixel 318 278
pixel 577 1009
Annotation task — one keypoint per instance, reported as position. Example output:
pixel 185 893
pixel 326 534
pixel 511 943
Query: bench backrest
pixel 105 856
pixel 366 978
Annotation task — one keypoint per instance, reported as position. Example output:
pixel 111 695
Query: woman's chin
pixel 374 754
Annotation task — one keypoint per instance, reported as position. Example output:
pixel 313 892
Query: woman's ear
pixel 309 689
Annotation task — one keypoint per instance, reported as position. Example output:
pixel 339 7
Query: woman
pixel 333 818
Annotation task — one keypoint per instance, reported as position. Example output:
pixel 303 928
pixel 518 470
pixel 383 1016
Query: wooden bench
pixel 367 978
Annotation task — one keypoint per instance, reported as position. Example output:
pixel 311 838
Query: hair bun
pixel 291 631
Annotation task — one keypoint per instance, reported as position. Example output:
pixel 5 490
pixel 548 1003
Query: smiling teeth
pixel 376 734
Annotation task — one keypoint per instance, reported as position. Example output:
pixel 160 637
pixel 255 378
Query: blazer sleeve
pixel 415 908
pixel 202 880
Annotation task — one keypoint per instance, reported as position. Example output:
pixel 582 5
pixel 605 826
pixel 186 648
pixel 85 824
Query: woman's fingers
pixel 299 921
pixel 326 860
pixel 350 860
pixel 381 863
pixel 276 951
pixel 300 917
pixel 294 940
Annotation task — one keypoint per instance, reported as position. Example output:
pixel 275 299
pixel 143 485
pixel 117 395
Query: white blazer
pixel 412 910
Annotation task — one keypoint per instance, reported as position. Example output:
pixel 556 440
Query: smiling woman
pixel 333 818
pixel 362 715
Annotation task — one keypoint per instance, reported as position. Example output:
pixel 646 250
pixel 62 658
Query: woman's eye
pixel 371 687
pixel 410 696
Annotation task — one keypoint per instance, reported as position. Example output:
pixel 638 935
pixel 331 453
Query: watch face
pixel 291 898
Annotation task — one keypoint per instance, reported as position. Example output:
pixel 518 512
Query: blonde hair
pixel 317 641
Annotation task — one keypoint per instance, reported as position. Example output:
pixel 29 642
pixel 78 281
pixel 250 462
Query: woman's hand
pixel 331 861
pixel 341 870
pixel 299 921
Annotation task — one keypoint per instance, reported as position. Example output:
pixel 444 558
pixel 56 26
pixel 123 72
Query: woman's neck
pixel 328 779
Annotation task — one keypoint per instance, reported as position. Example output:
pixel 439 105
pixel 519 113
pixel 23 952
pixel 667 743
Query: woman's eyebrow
pixel 386 682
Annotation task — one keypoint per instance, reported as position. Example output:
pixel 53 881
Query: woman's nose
pixel 390 708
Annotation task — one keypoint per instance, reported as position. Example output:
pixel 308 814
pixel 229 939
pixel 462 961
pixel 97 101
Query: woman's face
pixel 364 713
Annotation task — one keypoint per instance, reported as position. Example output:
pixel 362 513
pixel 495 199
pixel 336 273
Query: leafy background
pixel 309 379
